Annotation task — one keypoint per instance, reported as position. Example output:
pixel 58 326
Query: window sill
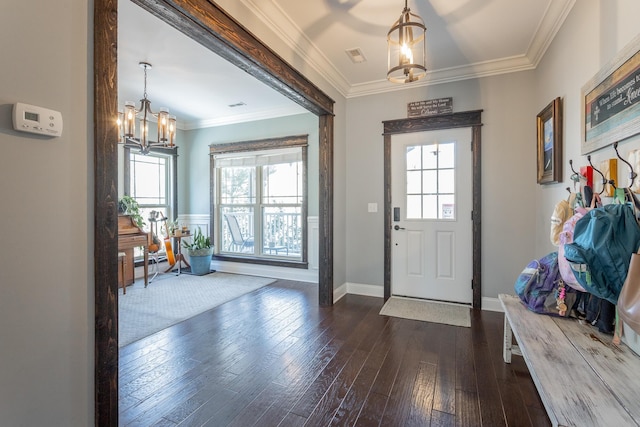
pixel 262 261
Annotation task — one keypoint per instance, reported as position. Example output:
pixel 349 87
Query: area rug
pixel 187 270
pixel 427 311
pixel 170 299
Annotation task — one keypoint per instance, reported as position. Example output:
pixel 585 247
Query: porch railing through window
pixel 282 232
pixel 281 236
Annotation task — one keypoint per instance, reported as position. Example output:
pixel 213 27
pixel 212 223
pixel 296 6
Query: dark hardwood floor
pixel 275 357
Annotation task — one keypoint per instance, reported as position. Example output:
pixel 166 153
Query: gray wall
pixel 591 36
pixel 46 217
pixel 516 210
pixel 508 174
pixel 193 159
pixel 46 307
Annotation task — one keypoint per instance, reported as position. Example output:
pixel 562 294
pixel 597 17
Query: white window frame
pixel 241 153
pixel 170 207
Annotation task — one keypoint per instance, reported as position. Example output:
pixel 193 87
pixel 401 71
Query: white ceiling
pixel 465 39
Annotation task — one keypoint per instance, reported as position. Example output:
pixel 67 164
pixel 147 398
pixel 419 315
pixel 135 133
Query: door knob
pixel 397 227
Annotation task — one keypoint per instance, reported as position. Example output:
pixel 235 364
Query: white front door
pixel 432 234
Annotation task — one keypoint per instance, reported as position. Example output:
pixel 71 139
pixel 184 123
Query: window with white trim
pixel 149 180
pixel 150 183
pixel 260 206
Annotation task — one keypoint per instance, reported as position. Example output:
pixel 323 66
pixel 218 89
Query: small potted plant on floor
pixel 200 252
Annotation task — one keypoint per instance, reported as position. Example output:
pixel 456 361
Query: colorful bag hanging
pixel 603 241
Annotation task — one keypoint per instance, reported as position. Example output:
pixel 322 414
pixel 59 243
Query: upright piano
pixel 129 237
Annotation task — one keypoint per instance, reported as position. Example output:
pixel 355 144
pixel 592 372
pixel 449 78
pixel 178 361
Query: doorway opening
pixel 432 233
pixel 210 25
pixel 470 119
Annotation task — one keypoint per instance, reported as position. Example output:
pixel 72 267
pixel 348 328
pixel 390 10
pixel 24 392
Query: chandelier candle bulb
pixel 163 125
pixel 129 124
pixel 172 130
pixel 119 124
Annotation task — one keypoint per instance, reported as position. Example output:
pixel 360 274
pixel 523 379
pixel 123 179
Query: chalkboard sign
pixel 430 107
pixel 611 101
pixel 622 95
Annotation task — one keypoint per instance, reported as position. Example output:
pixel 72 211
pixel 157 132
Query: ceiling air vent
pixel 237 104
pixel 356 55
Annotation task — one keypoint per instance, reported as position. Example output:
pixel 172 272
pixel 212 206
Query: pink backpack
pixel 566 236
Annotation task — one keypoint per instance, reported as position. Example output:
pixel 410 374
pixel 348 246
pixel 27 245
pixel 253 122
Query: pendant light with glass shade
pixel 406 48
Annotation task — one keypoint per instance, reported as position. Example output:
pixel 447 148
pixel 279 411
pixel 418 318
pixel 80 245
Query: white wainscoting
pixel 193 221
pixel 313 243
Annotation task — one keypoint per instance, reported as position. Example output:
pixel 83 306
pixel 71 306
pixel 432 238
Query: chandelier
pixel 166 124
pixel 406 48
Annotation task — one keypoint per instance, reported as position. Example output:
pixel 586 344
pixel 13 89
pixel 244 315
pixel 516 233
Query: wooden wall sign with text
pixel 610 101
pixel 430 107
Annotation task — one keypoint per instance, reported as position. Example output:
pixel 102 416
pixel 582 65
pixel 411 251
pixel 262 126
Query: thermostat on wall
pixel 29 118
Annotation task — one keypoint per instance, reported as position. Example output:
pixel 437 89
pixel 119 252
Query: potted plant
pixel 200 251
pixel 127 205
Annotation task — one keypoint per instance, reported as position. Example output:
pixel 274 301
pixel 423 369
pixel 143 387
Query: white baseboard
pixel 488 304
pixel 367 290
pixel 339 292
pixel 491 304
pixel 358 289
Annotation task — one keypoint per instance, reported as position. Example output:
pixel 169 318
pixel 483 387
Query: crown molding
pixel 272 15
pixel 242 118
pixel 553 19
pixel 447 75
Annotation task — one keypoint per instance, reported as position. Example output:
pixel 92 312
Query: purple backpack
pixel 542 290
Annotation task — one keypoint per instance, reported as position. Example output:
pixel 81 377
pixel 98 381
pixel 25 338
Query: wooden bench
pixel 583 379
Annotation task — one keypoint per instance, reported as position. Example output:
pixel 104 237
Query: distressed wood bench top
pixel 582 378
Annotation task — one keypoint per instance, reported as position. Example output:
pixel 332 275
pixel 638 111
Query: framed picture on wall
pixel 549 126
pixel 610 101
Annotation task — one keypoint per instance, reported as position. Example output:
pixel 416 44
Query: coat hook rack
pixel 632 174
pixel 604 180
pixel 576 176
